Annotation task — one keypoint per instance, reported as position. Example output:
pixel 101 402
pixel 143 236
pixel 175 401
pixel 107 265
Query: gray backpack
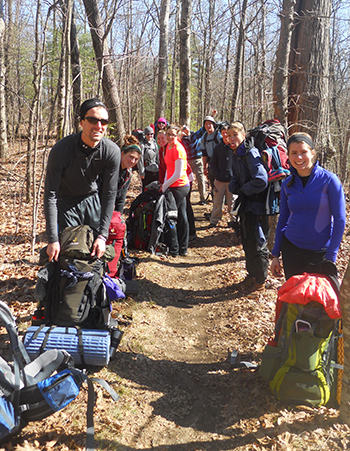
pixel 31 390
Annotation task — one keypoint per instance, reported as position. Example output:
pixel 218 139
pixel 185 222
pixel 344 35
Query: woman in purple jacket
pixel 312 212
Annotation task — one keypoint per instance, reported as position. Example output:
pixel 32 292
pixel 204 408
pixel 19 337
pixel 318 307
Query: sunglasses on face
pixel 149 134
pixel 95 120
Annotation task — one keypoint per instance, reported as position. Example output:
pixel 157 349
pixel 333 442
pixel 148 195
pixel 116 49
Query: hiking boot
pixel 207 216
pixel 258 286
pixel 248 282
pixel 183 253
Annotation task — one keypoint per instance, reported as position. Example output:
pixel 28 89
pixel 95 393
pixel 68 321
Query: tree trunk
pixel 76 73
pixel 163 59
pixel 105 67
pixel 209 58
pixel 345 310
pixel 3 122
pixel 309 62
pixel 185 62
pixel 174 65
pixel 280 80
pixel 239 63
pixel 227 66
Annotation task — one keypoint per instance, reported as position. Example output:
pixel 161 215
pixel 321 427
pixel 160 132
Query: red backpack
pixel 116 238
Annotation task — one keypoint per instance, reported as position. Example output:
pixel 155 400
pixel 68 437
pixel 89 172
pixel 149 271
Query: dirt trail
pixel 186 321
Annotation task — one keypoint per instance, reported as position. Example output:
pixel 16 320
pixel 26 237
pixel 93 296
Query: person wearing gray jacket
pixel 148 165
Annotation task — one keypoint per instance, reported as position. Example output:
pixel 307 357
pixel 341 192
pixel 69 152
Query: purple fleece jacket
pixel 312 217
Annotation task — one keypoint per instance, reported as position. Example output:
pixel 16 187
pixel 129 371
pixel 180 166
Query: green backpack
pixel 299 369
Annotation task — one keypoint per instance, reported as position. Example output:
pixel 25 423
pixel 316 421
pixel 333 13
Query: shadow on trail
pixel 182 298
pixel 209 397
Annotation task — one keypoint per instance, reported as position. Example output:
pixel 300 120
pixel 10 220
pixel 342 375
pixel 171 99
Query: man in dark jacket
pixel 249 182
pixel 71 191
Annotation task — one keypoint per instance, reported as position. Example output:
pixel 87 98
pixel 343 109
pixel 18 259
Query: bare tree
pixel 99 35
pixel 3 130
pixel 77 87
pixel 280 80
pixel 163 58
pixel 185 62
pixel 239 60
pixel 175 62
pixel 309 62
pixel 64 80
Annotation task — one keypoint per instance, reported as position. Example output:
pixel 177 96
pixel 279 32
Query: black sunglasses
pixel 95 120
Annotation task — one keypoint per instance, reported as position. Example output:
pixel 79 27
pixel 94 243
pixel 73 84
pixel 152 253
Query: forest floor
pixel 178 390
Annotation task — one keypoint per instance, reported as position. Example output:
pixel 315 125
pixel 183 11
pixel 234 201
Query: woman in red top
pixel 177 182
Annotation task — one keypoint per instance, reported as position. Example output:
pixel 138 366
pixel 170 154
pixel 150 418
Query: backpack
pixel 139 223
pixel 270 138
pixel 116 239
pixel 71 291
pixel 31 390
pixel 299 362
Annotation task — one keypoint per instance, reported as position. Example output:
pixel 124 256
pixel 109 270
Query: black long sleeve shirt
pixel 72 171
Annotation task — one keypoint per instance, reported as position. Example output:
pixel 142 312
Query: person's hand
pixel 98 248
pixel 142 177
pixel 213 112
pixel 53 251
pixel 185 130
pixel 276 267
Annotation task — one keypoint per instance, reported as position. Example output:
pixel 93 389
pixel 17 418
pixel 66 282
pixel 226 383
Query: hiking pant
pixel 296 259
pixel 254 245
pixel 182 228
pixel 220 192
pixel 197 169
pixel 190 214
pixel 86 211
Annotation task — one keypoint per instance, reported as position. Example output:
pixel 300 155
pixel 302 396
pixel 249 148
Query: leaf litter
pixel 172 369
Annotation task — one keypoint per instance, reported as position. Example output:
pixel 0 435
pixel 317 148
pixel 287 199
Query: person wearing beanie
pixel 160 124
pixel 148 165
pixel 211 138
pixel 71 195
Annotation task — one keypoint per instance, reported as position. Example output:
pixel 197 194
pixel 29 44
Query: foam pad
pixel 96 343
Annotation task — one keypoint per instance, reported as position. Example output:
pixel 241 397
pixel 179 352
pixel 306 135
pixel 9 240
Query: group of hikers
pixel 88 176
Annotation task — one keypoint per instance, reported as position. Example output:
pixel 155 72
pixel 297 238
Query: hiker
pixel 177 182
pixel 160 124
pixel 71 195
pixel 192 143
pixel 249 182
pixel 312 212
pixel 221 169
pixel 148 165
pixel 130 155
pixel 161 140
pixel 211 138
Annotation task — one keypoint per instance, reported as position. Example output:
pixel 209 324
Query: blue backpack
pixel 31 390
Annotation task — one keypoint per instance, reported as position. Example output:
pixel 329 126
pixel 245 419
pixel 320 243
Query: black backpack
pixel 139 223
pixel 71 291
